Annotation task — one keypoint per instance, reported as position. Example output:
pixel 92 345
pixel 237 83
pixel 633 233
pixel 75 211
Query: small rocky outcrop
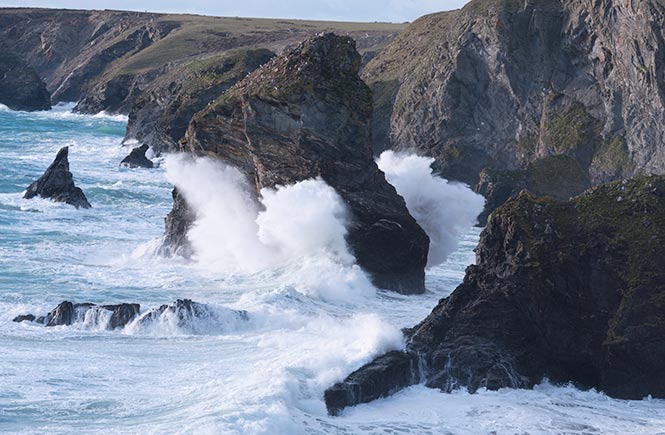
pixel 186 312
pixel 306 114
pixel 137 158
pixel 573 291
pixel 68 313
pixel 177 224
pixel 21 88
pixel 160 115
pixel 57 183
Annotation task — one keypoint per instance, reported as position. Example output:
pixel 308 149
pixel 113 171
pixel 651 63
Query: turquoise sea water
pixel 219 374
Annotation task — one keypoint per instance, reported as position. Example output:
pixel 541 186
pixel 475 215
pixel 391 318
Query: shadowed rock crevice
pixel 21 88
pixel 57 183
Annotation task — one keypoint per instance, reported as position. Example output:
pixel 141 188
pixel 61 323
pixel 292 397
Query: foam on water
pixel 221 372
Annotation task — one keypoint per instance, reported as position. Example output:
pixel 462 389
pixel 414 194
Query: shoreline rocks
pixel 57 183
pixel 573 291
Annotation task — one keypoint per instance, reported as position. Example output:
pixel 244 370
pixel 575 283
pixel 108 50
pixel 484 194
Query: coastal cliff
pixel 571 291
pixel 500 84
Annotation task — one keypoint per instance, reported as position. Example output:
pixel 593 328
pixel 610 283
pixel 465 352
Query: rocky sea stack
pixel 137 158
pixel 306 114
pixel 573 291
pixel 20 86
pixel 57 183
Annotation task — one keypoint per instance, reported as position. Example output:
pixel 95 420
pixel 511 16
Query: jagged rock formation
pixel 177 224
pixel 306 114
pixel 500 84
pixel 160 116
pixel 573 291
pixel 57 183
pixel 20 86
pixel 68 313
pixel 105 59
pixel 137 158
pixel 186 312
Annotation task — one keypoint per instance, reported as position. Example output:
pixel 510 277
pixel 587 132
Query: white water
pixel 311 317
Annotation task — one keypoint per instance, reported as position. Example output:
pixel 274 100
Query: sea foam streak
pixel 443 209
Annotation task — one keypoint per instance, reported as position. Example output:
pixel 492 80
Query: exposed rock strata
pixel 57 183
pixel 20 86
pixel 137 158
pixel 499 84
pixel 573 291
pixel 304 115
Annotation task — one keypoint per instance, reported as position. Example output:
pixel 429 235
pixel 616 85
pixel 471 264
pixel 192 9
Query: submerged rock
pixel 67 313
pixel 306 114
pixel 137 158
pixel 573 291
pixel 185 311
pixel 20 86
pixel 57 183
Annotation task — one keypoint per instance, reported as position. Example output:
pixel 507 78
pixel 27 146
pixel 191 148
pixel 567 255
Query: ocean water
pixel 221 374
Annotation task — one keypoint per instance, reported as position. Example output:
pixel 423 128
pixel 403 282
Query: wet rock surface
pixel 57 183
pixel 137 158
pixel 573 291
pixel 68 313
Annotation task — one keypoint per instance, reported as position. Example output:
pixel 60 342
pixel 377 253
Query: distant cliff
pixel 500 84
pixel 104 59
pixel 21 88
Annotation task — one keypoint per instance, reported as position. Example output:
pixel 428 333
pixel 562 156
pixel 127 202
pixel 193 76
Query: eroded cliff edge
pixel 501 84
pixel 572 291
pixel 306 114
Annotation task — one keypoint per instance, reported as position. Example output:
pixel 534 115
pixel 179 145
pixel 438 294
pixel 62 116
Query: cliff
pixel 303 115
pixel 21 88
pixel 573 291
pixel 104 59
pixel 500 84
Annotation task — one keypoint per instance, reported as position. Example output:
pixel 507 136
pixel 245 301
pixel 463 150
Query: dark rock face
pixel 306 114
pixel 177 224
pixel 20 86
pixel 68 313
pixel 160 116
pixel 137 158
pixel 560 177
pixel 573 291
pixel 499 84
pixel 57 183
pixel 368 384
pixel 188 313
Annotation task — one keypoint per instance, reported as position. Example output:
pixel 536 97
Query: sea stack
pixel 57 183
pixel 137 159
pixel 572 291
pixel 306 114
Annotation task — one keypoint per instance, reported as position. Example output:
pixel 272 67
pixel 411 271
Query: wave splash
pixel 443 209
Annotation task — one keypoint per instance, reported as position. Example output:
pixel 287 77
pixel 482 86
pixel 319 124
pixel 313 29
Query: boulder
pixel 57 183
pixel 21 88
pixel 573 291
pixel 137 158
pixel 306 114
